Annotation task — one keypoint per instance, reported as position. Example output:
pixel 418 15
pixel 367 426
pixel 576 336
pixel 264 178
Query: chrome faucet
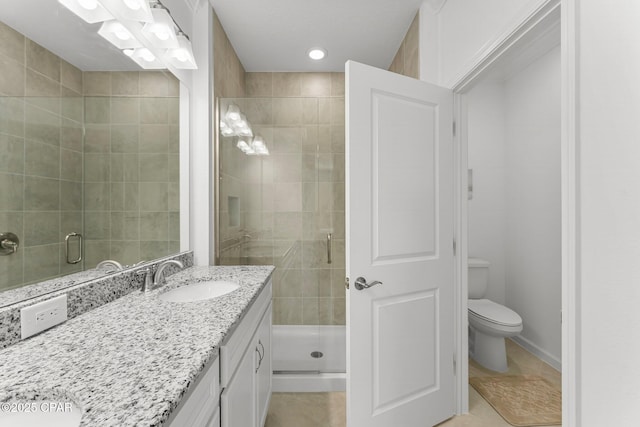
pixel 109 263
pixel 153 280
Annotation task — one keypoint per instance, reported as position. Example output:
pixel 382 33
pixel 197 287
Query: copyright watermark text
pixel 33 407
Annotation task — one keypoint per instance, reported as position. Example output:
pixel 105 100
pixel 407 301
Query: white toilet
pixel 489 322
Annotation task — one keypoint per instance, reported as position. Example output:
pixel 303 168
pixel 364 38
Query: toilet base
pixel 489 351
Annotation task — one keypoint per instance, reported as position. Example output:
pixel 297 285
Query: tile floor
pixel 328 409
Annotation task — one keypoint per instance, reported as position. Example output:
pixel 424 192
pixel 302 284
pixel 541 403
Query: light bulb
pixel 243 145
pixel 162 34
pixel 88 4
pixel 132 4
pixel 122 34
pixel 233 113
pixel 147 55
pixel 181 55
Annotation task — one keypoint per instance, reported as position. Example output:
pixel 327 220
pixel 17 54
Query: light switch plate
pixel 44 315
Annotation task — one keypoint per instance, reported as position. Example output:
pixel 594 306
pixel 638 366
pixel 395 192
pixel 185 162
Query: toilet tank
pixel 478 277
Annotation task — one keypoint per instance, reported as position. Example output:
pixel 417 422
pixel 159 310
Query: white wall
pixel 486 156
pixel 464 30
pixel 608 128
pixel 533 228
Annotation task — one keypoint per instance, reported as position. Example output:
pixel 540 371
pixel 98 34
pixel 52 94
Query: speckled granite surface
pixel 128 363
pixel 84 296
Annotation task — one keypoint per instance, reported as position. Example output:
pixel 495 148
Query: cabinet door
pixel 238 401
pixel 264 372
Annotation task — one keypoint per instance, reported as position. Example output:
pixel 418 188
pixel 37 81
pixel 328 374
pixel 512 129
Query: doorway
pixel 508 109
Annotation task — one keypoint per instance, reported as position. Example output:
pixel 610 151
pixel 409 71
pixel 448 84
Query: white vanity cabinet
pixel 234 390
pixel 245 367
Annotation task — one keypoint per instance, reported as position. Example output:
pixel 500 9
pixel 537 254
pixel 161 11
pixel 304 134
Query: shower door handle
pixel 361 283
pixel 329 247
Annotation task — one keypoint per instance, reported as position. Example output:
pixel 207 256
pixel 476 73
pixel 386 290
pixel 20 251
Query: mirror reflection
pixel 89 165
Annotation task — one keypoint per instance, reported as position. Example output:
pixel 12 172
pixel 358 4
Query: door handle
pixel 361 283
pixel 80 250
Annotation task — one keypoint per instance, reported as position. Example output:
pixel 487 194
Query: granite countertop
pixel 130 362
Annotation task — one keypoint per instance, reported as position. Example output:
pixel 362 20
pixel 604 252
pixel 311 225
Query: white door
pixel 399 232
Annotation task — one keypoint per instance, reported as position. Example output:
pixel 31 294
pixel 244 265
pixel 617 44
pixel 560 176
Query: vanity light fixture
pixel 316 53
pixel 161 32
pixel 90 11
pixel 118 35
pixel 182 56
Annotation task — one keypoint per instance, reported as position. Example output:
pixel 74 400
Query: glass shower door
pixel 285 206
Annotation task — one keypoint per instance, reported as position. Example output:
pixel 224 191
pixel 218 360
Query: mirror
pixel 89 153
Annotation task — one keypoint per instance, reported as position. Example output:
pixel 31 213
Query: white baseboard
pixel 308 382
pixel 549 359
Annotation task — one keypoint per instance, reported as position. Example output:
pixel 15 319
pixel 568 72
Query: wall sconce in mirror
pixel 235 124
pixel 255 147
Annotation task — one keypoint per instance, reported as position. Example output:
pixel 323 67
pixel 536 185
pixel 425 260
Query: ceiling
pixel 268 35
pixel 274 35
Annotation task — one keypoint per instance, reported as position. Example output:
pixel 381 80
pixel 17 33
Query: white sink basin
pixel 199 291
pixel 41 413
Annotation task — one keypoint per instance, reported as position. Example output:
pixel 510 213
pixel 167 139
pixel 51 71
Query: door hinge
pixel 454 246
pixel 454 128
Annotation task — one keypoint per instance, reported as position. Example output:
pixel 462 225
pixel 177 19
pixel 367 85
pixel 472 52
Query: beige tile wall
pixel 228 72
pixel 407 59
pixel 292 198
pixel 131 160
pixel 41 158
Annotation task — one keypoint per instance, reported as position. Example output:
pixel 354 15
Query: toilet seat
pixel 494 313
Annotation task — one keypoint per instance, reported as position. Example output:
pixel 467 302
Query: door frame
pixel 532 26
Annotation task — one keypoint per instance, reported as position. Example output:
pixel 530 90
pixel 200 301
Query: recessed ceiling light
pixel 317 53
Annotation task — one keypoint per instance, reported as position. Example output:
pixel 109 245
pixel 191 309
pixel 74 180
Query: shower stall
pixel 280 201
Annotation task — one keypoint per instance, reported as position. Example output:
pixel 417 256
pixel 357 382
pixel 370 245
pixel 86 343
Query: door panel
pixel 395 347
pixel 399 232
pixel 400 170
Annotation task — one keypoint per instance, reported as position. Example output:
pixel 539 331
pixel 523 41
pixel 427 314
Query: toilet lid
pixel 494 312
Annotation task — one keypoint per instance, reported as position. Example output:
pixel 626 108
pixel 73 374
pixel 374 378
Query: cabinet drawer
pixel 234 347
